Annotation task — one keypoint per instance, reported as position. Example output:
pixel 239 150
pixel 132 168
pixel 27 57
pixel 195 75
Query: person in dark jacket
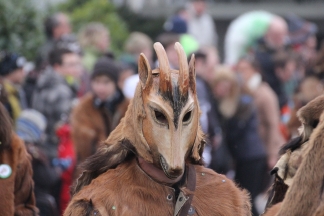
pixel 54 94
pixel 238 119
pixel 275 39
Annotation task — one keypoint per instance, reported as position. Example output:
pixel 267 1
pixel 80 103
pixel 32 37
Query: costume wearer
pixel 16 183
pixel 297 188
pixel 151 163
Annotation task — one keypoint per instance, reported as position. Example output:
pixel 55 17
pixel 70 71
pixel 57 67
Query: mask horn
pixel 144 70
pixel 183 80
pixel 192 74
pixel 165 79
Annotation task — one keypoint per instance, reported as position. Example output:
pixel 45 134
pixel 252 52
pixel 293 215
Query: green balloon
pixel 189 44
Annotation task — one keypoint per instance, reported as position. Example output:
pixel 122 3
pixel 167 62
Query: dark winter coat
pixel 45 177
pixel 53 98
pixel 241 131
pixel 264 55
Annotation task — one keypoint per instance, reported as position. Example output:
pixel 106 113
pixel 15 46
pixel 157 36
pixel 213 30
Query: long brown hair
pixel 5 128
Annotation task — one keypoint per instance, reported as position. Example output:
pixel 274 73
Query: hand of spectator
pixel 63 163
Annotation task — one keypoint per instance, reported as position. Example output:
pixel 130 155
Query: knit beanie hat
pixel 10 62
pixel 108 67
pixel 30 125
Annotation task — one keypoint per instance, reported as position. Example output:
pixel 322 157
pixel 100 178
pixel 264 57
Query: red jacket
pixel 66 155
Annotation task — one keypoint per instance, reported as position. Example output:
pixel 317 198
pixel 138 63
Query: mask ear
pixel 145 73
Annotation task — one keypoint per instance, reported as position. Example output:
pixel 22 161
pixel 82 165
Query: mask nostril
pixel 170 173
pixel 164 164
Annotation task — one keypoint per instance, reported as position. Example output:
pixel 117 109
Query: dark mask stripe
pixel 176 100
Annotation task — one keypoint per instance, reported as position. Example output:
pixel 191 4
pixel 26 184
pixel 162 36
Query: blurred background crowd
pixel 68 70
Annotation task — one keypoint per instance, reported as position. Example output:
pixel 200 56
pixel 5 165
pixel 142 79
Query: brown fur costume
pixel 90 128
pixel 16 191
pixel 116 180
pixel 309 89
pixel 127 190
pixel 301 165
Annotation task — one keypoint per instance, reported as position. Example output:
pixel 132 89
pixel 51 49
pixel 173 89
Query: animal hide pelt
pixel 304 195
pixel 127 190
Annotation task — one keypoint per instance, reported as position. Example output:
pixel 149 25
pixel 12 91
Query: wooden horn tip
pixel 157 45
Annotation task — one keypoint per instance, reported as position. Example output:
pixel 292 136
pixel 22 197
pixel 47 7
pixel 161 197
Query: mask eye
pixel 187 117
pixel 160 117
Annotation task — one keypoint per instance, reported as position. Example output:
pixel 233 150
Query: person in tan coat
pixel 99 111
pixel 16 183
pixel 267 105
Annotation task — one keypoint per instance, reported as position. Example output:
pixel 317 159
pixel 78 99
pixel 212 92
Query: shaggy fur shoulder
pixel 309 115
pixel 217 195
pixel 127 190
pixel 294 152
pixel 304 196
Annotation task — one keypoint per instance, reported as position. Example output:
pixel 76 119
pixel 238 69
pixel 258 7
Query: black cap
pixel 10 62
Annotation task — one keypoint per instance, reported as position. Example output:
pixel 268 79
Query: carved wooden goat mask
pixel 171 110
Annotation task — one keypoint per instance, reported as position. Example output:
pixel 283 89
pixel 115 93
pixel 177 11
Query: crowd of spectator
pixel 79 90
